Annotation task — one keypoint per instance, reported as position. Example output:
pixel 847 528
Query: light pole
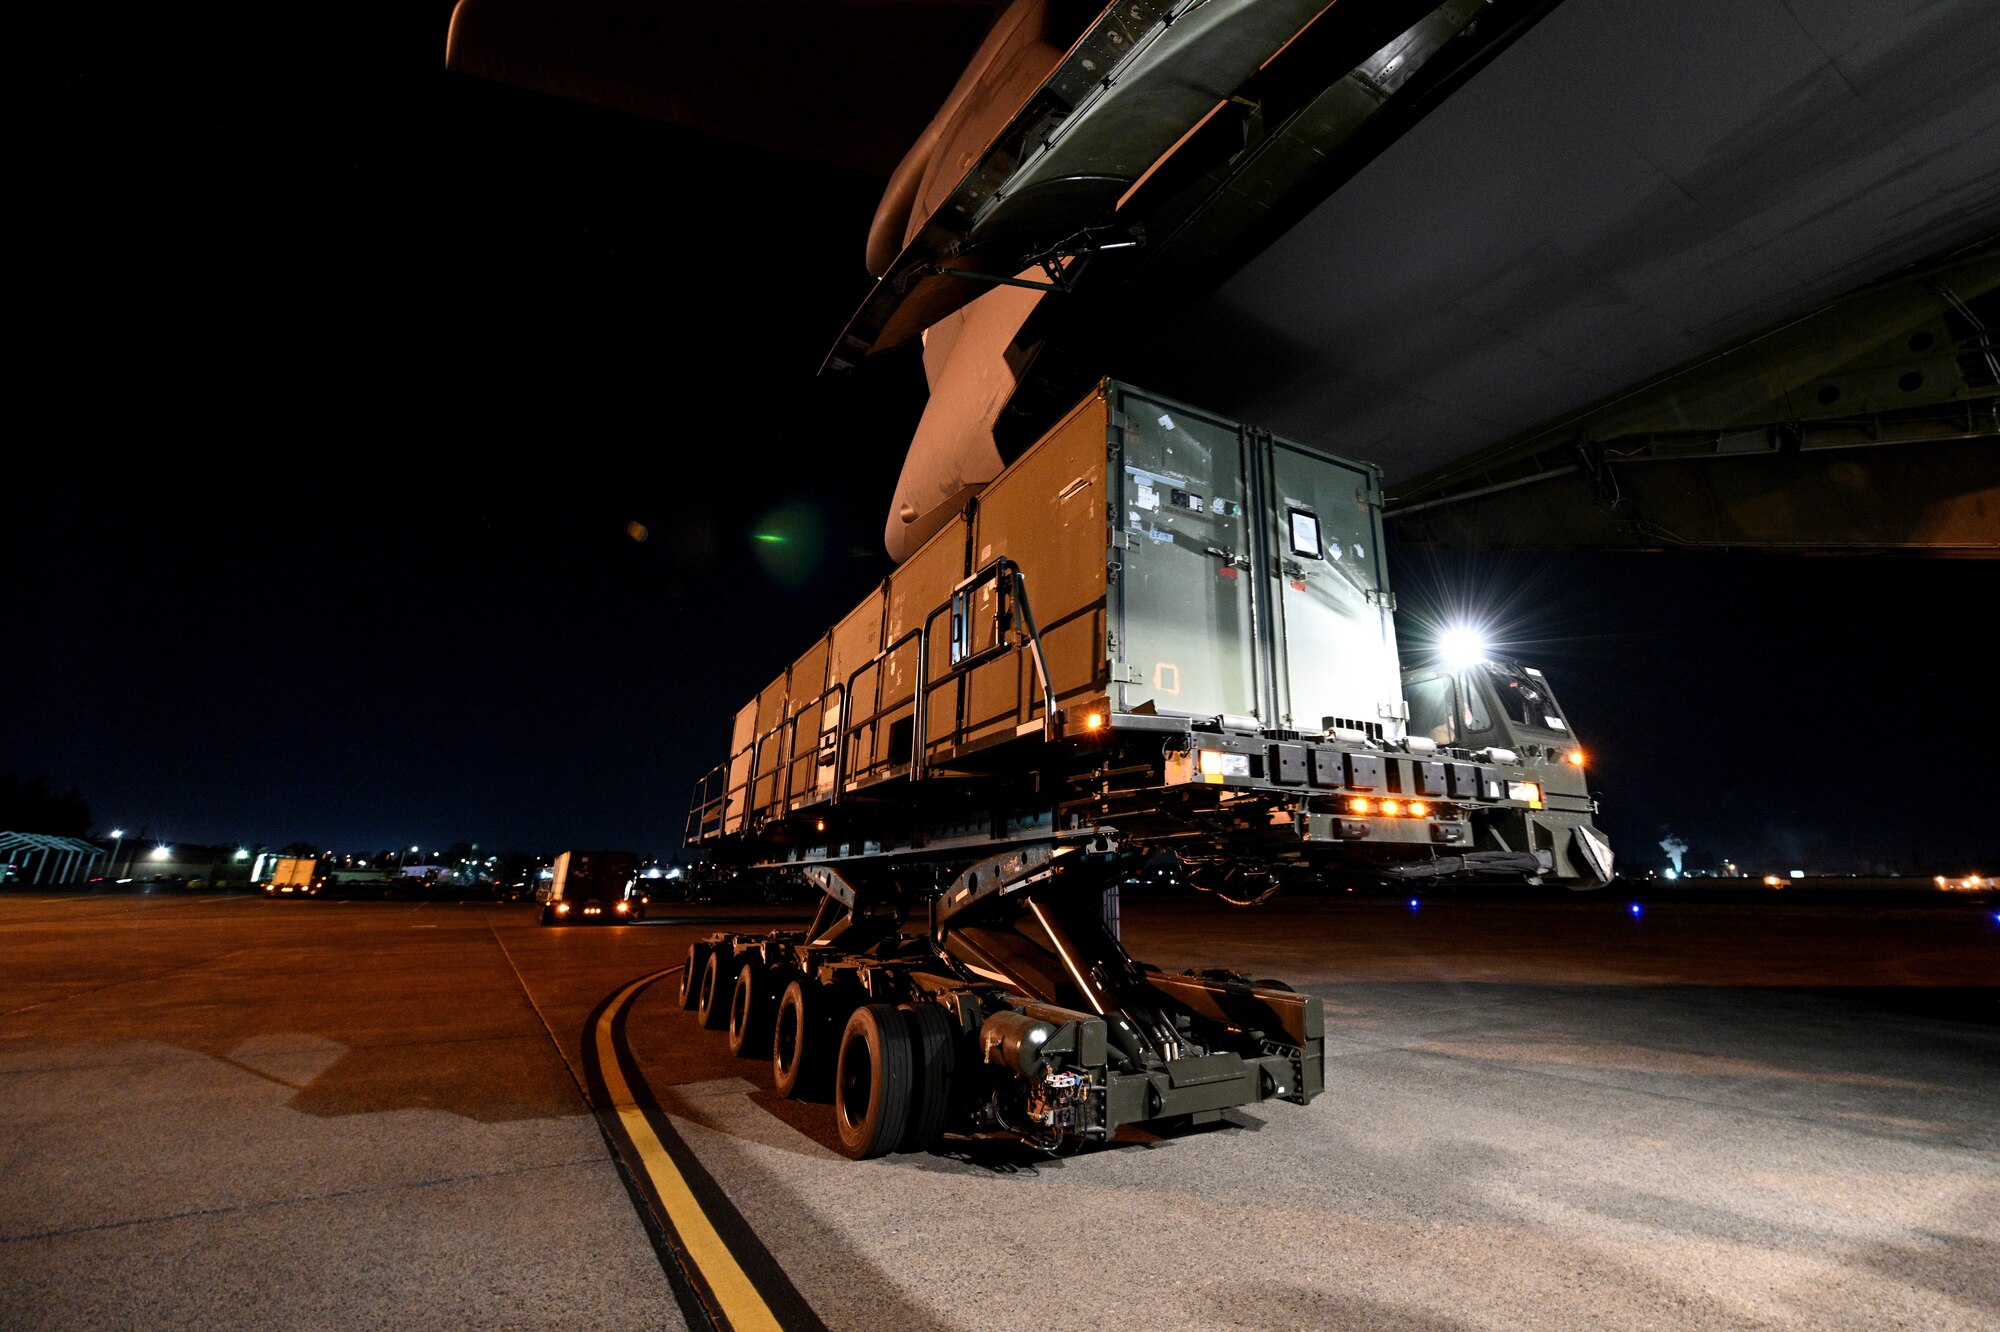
pixel 118 844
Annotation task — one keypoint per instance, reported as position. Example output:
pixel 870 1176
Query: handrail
pixel 848 723
pixel 820 703
pixel 919 700
pixel 999 568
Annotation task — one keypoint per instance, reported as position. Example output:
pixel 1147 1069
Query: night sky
pixel 346 378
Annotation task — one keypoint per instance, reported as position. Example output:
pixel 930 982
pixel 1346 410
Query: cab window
pixel 1431 708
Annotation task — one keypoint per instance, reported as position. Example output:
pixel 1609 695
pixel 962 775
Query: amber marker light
pixel 1418 809
pixel 1094 722
pixel 1392 807
pixel 1576 758
pixel 1360 805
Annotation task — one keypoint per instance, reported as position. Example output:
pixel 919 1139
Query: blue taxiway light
pixel 1413 904
pixel 1635 908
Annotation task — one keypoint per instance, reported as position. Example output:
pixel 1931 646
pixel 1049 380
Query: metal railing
pixel 708 812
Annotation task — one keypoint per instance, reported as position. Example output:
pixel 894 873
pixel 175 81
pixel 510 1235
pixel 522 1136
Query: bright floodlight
pixel 162 852
pixel 1462 647
pixel 117 832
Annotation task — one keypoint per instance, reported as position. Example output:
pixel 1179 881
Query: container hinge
pixel 1385 600
pixel 1122 674
pixel 1397 711
pixel 1119 541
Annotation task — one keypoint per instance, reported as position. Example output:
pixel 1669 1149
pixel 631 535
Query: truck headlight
pixel 1531 792
pixel 1222 763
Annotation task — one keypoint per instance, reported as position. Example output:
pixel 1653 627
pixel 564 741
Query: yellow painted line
pixel 741 1304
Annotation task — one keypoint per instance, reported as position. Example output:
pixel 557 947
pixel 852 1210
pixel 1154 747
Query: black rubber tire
pixel 548 915
pixel 750 1012
pixel 802 1051
pixel 713 1009
pixel 871 1083
pixel 691 975
pixel 934 1054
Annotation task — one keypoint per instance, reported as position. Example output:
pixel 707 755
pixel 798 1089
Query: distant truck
pixel 295 876
pixel 593 888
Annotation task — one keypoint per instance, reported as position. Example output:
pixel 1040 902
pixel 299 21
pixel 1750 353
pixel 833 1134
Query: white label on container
pixel 1305 534
pixel 1149 498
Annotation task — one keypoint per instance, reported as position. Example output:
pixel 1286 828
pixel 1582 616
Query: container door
pixel 1184 637
pixel 1339 665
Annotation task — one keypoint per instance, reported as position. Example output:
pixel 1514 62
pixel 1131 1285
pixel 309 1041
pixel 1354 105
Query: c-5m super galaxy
pixel 1581 274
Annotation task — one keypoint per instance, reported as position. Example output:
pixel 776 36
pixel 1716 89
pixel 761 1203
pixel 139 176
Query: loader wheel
pixel 871 1089
pixel 750 1012
pixel 802 1051
pixel 697 962
pixel 713 1010
pixel 933 1041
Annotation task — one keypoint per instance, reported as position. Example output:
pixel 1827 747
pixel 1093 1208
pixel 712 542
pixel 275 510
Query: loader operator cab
pixel 1493 703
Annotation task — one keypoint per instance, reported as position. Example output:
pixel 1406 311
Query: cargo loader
pixel 1156 631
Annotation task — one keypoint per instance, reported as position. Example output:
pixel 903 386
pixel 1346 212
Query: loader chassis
pixel 1206 671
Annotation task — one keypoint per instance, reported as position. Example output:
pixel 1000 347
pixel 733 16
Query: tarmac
pixel 226 1111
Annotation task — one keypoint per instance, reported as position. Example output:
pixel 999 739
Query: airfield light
pixel 1635 909
pixel 1413 904
pixel 1462 648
